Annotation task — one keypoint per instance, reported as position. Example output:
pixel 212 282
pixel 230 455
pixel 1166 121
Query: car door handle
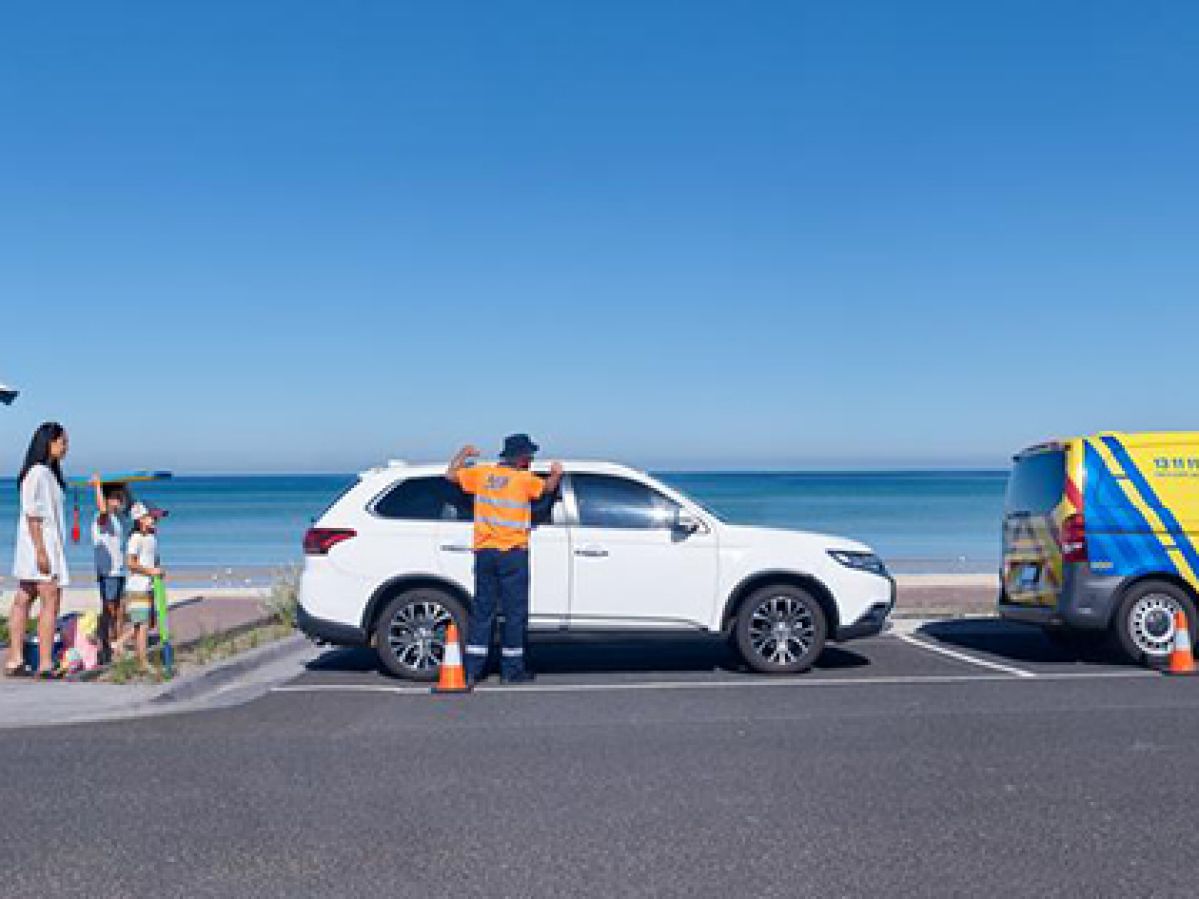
pixel 454 548
pixel 592 552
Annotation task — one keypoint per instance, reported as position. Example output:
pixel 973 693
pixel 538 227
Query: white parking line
pixel 963 657
pixel 726 685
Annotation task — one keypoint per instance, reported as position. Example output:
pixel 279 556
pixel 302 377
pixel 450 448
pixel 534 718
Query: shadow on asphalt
pixel 583 655
pixel 1022 643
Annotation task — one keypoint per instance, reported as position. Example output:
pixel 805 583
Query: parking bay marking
pixel 963 657
pixel 718 685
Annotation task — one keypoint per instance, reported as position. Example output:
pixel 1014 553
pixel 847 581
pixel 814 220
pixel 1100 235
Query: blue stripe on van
pixel 1117 531
pixel 1181 539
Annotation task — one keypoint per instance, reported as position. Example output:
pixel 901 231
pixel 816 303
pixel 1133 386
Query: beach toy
pixel 112 477
pixel 161 609
pixel 124 477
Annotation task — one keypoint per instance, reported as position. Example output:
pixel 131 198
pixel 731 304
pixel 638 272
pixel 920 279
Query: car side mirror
pixel 686 523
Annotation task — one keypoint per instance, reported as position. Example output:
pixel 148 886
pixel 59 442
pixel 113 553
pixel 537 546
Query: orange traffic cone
pixel 452 678
pixel 1182 660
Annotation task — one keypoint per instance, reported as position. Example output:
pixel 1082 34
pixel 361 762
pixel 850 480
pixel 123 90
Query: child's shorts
pixel 111 588
pixel 138 606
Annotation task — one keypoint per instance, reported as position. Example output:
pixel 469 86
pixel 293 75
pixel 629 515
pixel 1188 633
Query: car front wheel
pixel 781 630
pixel 410 632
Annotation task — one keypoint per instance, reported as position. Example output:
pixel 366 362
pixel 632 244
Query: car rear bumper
pixel 872 622
pixel 1086 601
pixel 324 631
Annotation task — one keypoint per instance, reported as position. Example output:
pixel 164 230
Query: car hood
pixel 753 535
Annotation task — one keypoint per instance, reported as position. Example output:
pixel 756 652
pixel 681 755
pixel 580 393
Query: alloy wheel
pixel 416 634
pixel 782 629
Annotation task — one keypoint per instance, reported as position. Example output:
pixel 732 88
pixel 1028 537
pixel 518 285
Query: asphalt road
pixel 963 760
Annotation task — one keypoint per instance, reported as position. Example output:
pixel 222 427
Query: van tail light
pixel 1074 538
pixel 318 541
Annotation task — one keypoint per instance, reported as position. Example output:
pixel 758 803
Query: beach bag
pixel 87 640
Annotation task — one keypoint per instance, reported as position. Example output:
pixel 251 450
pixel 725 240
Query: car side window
pixel 426 499
pixel 607 501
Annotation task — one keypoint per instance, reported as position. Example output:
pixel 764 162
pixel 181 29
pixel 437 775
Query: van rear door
pixel 1032 554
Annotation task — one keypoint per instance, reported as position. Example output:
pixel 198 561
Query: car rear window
pixel 1037 483
pixel 426 499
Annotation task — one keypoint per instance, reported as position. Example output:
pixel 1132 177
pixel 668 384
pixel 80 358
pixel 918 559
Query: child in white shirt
pixel 141 557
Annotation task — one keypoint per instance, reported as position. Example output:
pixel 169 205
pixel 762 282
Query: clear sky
pixel 246 236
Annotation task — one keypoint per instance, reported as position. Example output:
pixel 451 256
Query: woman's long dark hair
pixel 39 451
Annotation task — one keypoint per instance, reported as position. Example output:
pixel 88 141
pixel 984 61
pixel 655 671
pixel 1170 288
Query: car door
pixel 549 555
pixel 630 564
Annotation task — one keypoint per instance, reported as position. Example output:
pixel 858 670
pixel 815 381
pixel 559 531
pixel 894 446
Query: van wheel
pixel 781 630
pixel 1145 621
pixel 410 632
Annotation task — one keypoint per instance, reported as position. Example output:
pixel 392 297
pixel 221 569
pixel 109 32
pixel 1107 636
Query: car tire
pixel 1144 626
pixel 780 630
pixel 410 632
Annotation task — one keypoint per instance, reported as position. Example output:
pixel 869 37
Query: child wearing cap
pixel 143 563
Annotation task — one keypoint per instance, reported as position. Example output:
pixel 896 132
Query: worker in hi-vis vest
pixel 504 496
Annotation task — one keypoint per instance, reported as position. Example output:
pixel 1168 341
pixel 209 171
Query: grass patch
pixel 284 596
pixel 279 608
pixel 208 649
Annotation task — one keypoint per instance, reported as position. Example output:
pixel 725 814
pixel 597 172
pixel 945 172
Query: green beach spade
pixel 161 609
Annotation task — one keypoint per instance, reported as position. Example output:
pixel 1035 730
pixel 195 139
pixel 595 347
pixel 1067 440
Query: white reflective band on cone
pixel 453 655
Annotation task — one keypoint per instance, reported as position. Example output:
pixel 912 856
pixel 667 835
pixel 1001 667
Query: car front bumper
pixel 872 622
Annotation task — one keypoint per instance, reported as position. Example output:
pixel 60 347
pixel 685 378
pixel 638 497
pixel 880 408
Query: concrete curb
pixel 216 677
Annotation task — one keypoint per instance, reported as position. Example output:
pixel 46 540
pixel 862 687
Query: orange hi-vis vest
pixel 503 504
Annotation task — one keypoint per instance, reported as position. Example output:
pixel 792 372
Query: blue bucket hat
pixel 517 445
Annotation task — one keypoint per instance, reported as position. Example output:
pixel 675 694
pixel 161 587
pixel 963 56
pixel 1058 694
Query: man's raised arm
pixel 554 479
pixel 459 460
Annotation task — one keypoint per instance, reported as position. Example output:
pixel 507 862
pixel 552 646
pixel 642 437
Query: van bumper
pixel 324 631
pixel 1087 601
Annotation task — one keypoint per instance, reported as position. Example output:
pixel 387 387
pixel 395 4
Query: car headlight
pixel 859 561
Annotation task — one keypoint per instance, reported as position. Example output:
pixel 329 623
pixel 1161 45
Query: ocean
pixel 234 530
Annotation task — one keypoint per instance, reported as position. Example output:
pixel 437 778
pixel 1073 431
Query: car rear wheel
pixel 781 630
pixel 410 632
pixel 1145 621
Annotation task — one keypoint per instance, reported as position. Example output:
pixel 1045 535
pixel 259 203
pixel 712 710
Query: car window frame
pixel 372 507
pixel 573 502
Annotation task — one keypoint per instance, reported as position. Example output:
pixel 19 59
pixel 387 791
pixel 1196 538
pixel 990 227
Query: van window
pixel 426 499
pixel 1037 483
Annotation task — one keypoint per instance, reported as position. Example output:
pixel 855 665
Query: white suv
pixel 389 564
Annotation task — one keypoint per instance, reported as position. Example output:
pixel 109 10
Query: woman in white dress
pixel 40 566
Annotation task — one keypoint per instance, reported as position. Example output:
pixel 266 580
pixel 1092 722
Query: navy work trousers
pixel 501 582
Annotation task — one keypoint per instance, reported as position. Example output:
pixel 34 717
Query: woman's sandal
pixel 46 675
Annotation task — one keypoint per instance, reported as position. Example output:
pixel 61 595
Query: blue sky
pixel 247 236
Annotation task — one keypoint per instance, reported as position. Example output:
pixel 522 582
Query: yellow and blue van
pixel 1101 535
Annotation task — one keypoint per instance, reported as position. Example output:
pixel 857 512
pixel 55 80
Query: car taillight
pixel 318 541
pixel 1074 539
